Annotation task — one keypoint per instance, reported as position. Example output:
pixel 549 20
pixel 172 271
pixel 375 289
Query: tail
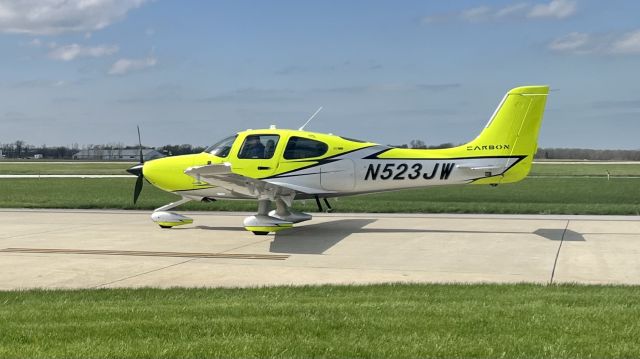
pixel 513 130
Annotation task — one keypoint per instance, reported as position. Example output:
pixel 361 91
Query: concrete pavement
pixel 95 249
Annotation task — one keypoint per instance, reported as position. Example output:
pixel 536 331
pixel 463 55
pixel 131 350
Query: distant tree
pixel 19 144
pixel 442 145
pixel 417 144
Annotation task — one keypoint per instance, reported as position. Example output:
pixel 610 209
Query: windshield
pixel 222 148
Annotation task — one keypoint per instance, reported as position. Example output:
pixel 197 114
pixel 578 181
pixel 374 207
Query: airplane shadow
pixel 317 238
pixel 557 234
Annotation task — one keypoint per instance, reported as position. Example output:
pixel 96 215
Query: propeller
pixel 137 171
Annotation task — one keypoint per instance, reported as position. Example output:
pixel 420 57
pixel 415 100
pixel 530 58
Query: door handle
pixel 262 168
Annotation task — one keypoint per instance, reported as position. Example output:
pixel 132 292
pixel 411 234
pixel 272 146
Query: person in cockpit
pixel 253 148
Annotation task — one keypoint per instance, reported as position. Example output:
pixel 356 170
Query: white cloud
pixel 35 42
pixel 604 44
pixel 124 66
pixel 512 10
pixel 70 52
pixel 573 42
pixel 476 14
pixel 50 17
pixel 558 9
pixel 629 43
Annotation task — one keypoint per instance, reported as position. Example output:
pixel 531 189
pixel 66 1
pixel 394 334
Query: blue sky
pixel 89 71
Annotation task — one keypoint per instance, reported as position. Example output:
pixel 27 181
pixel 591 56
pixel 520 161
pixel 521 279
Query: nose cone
pixel 168 173
pixel 136 170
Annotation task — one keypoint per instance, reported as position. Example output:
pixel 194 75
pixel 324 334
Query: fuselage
pixel 328 165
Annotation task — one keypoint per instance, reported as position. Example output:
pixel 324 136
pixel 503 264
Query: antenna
pixel 310 118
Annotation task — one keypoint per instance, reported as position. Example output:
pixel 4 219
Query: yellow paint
pixel 268 228
pixel 175 224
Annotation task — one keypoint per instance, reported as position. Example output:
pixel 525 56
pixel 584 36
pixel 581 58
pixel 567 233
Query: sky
pixel 89 71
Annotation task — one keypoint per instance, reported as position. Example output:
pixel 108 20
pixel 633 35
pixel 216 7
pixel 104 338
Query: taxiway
pixel 97 249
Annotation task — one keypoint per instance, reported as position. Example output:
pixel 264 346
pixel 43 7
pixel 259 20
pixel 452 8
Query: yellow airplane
pixel 280 165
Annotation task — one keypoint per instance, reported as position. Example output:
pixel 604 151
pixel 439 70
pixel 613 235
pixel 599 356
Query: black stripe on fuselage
pixel 319 162
pixel 375 156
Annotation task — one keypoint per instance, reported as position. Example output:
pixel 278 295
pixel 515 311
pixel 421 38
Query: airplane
pixel 282 165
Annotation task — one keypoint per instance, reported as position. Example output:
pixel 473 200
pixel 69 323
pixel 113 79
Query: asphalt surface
pixel 96 249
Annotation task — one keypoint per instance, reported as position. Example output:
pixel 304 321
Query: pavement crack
pixel 555 262
pixel 143 273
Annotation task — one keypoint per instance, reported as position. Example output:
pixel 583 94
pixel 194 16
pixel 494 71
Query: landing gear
pixel 320 209
pixel 262 223
pixel 266 221
pixel 170 219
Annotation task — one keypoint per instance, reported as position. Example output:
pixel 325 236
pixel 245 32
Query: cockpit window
pixel 299 147
pixel 258 147
pixel 222 148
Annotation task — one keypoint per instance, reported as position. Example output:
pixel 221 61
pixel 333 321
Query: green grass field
pixel 559 189
pixel 399 321
pixel 590 169
pixel 533 195
pixel 67 168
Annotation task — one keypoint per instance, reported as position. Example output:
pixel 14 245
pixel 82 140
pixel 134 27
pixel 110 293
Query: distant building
pixel 117 154
pixel 38 156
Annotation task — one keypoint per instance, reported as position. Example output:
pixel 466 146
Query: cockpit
pixel 222 148
pixel 258 147
pixel 263 147
pixel 253 147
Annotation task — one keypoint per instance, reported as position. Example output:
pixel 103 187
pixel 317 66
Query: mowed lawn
pixel 64 168
pixel 552 195
pixel 399 321
pixel 586 169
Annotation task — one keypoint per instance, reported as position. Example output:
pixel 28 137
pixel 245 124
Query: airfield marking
pixel 145 253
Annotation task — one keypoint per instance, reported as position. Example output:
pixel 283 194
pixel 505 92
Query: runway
pixel 103 249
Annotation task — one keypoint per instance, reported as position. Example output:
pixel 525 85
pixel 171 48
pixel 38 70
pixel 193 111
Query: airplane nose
pixel 136 170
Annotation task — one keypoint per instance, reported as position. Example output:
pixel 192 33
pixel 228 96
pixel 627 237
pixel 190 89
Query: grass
pixel 533 195
pixel 67 168
pixel 400 321
pixel 589 169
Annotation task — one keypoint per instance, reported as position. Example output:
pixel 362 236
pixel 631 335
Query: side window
pixel 299 147
pixel 259 147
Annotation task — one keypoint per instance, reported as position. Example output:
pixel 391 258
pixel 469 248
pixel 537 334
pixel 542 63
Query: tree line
pixel 21 149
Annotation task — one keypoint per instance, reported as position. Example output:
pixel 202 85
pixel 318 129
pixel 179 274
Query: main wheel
pixel 260 233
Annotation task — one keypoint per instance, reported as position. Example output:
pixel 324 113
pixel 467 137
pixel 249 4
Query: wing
pixel 221 175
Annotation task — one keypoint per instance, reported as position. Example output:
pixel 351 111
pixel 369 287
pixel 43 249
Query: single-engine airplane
pixel 280 165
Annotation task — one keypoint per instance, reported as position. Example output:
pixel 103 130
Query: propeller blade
pixel 138 189
pixel 140 145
